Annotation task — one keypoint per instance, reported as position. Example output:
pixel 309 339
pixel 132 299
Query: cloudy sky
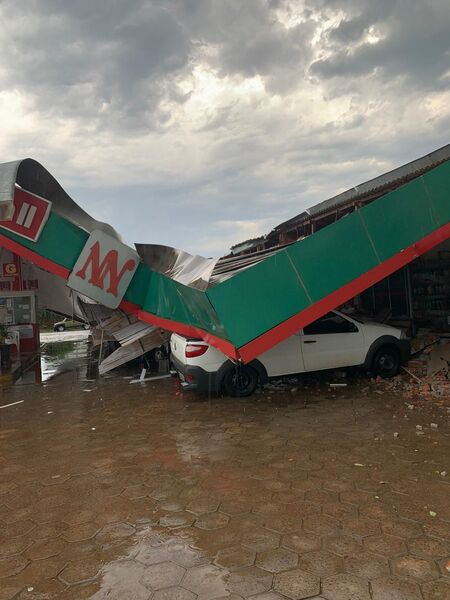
pixel 201 123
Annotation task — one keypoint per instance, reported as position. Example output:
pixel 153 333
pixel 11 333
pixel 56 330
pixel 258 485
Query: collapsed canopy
pixel 244 312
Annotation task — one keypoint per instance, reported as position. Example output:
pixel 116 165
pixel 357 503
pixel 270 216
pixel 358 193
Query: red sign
pixel 107 268
pixel 30 215
pixel 9 270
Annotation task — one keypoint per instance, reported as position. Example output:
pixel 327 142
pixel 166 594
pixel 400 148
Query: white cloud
pixel 231 233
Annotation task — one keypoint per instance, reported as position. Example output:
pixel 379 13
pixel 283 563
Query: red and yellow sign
pixel 9 270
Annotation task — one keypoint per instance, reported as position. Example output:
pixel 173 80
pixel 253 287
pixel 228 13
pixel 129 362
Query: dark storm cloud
pixel 414 44
pixel 117 62
pixel 351 30
pixel 110 61
pixel 250 40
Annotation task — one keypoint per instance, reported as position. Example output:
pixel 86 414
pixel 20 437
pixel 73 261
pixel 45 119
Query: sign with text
pixel 104 269
pixel 30 215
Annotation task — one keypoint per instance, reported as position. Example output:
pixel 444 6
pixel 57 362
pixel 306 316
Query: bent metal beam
pixel 256 308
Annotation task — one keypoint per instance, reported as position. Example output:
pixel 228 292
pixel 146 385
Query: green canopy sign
pixel 252 310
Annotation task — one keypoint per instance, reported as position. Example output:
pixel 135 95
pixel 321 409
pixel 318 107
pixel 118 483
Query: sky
pixel 201 123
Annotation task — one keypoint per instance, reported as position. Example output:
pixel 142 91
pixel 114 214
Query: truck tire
pixel 386 362
pixel 240 381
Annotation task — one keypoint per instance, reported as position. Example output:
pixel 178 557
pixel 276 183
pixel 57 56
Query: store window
pixel 19 309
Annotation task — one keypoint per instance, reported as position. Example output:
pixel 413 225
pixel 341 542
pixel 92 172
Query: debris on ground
pixel 425 377
pixel 284 384
pixel 427 374
pixel 276 385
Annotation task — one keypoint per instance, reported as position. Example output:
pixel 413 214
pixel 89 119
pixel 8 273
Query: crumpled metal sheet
pixel 184 268
pixel 191 270
pixel 32 176
pixel 132 332
pixel 188 269
pixel 124 354
pixel 135 337
pixel 97 314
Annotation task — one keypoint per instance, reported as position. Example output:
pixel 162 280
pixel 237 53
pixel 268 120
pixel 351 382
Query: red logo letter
pixel 109 266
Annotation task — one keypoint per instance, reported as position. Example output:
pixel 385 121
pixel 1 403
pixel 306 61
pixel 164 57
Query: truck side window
pixel 330 323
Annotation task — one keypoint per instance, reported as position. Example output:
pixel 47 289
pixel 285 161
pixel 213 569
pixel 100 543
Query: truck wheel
pixel 386 362
pixel 240 381
pixel 60 328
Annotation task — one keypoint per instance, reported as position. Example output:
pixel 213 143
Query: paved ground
pixel 123 491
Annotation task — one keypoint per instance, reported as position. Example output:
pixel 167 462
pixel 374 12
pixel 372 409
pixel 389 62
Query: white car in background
pixel 70 324
pixel 333 341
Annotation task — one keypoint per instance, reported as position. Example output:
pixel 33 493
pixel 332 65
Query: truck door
pixel 332 342
pixel 285 358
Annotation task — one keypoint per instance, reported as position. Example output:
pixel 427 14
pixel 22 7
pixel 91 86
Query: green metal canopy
pixel 254 309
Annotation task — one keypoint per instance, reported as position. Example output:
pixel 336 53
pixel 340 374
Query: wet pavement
pixel 117 491
pixel 67 353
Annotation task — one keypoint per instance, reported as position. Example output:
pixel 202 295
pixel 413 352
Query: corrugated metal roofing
pixel 411 169
pixel 397 176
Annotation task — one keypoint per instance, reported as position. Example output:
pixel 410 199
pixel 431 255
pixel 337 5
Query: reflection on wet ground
pixel 68 357
pixel 62 357
pixel 119 491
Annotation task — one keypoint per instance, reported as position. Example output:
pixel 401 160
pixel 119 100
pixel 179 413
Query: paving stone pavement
pixel 134 492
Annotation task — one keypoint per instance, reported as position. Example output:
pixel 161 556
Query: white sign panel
pixel 104 269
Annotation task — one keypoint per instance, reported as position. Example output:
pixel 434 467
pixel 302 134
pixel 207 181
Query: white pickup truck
pixel 333 341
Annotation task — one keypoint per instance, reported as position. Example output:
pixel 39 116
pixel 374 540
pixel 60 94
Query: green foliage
pixel 47 317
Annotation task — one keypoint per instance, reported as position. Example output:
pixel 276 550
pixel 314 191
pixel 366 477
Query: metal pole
pixel 409 296
pixel 389 292
pixel 100 352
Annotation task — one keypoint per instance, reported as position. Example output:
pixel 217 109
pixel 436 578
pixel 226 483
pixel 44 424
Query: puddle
pixel 66 361
pixel 168 566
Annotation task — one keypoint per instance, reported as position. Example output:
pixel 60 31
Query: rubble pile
pixel 427 374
